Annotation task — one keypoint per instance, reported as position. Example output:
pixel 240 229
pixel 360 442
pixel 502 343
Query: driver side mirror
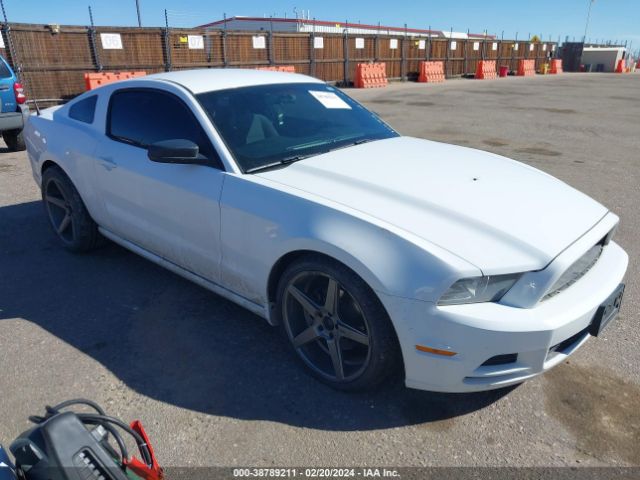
pixel 177 150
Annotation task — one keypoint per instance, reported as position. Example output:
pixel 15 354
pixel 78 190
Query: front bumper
pixel 478 332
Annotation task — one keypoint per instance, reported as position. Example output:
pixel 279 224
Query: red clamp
pixel 141 469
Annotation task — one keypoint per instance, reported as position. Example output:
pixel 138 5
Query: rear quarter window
pixel 5 71
pixel 84 110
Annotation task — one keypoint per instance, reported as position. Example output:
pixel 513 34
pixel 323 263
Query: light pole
pixel 138 12
pixel 586 27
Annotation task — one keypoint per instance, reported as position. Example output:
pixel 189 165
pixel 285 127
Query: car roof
pixel 209 79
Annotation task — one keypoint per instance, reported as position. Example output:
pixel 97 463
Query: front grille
pixel 569 342
pixel 576 271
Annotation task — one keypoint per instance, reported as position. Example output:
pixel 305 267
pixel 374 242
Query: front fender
pixel 261 223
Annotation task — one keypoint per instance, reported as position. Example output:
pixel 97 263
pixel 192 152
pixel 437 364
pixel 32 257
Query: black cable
pixel 51 411
pixel 79 401
pixel 116 435
pixel 142 445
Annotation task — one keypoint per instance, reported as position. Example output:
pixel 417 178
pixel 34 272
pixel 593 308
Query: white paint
pixel 409 216
pixel 454 45
pixel 111 41
pixel 2 42
pixel 544 47
pixel 494 46
pixel 196 42
pixel 531 47
pixel 421 44
pixel 455 35
pixel 514 241
pixel 318 42
pixel 359 43
pixel 329 99
pixel 393 43
pixel 202 80
pixel 476 46
pixel 259 42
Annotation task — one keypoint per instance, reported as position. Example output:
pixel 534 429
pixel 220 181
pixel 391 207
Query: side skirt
pixel 259 310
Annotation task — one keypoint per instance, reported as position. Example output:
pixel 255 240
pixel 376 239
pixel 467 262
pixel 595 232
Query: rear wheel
pixel 14 140
pixel 67 214
pixel 336 325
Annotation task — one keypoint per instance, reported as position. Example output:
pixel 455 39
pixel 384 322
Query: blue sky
pixel 610 19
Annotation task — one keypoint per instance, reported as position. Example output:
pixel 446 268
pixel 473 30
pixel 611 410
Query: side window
pixel 5 71
pixel 84 110
pixel 142 117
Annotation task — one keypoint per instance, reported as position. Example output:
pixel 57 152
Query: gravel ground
pixel 214 384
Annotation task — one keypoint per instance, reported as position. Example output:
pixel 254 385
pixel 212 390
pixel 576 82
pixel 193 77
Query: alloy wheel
pixel 326 326
pixel 59 210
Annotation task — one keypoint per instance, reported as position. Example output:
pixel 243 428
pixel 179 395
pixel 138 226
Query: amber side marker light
pixel 436 351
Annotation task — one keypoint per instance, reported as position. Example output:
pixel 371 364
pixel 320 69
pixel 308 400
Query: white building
pixel 306 25
pixel 603 59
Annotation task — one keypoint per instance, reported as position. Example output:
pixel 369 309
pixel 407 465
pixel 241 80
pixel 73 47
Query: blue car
pixel 13 109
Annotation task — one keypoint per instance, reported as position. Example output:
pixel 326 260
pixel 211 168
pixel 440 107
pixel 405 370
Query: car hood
pixel 496 213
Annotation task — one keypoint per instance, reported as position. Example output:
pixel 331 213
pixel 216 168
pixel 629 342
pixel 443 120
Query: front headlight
pixel 479 289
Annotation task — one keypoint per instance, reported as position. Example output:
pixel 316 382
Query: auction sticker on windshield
pixel 329 99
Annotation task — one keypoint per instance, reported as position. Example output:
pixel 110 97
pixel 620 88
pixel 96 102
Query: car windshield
pixel 269 125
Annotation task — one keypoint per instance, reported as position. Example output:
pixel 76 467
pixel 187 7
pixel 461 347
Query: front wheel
pixel 336 325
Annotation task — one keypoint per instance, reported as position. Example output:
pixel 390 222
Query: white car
pixel 377 253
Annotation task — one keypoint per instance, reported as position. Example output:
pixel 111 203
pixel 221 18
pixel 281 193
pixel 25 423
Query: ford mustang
pixel 377 254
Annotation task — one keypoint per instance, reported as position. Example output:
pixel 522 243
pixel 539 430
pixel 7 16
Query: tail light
pixel 19 91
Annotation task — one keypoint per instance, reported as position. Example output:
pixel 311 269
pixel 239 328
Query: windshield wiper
pixel 319 143
pixel 351 144
pixel 284 161
pixel 296 158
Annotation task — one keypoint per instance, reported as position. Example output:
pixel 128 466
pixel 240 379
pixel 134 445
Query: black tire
pixel 63 205
pixel 14 140
pixel 355 297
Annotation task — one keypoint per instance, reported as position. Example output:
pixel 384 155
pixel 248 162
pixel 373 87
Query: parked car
pixel 375 252
pixel 13 109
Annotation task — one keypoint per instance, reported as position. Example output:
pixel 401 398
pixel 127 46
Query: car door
pixel 171 210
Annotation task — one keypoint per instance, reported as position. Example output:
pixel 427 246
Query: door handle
pixel 108 163
pixel 4 87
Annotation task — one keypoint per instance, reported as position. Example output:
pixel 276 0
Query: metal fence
pixel 52 59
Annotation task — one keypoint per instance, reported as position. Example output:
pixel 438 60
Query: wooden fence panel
pixel 240 50
pixel 51 64
pixel 142 49
pixel 361 49
pixel 414 55
pixel 40 48
pixel 291 49
pixel 182 55
pixel 390 52
pixel 474 53
pixel 455 56
pixel 505 51
pixel 329 60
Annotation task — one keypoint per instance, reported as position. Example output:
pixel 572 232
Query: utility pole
pixel 4 12
pixel 7 33
pixel 586 27
pixel 138 12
